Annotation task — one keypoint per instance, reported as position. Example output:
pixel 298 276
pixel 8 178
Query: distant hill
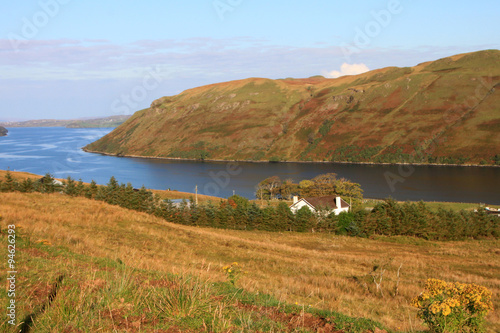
pixel 112 121
pixel 443 111
pixel 3 131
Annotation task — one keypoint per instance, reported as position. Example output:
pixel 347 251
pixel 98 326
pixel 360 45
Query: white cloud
pixel 348 69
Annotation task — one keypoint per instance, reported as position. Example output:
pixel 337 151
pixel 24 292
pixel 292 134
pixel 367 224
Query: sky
pixel 67 59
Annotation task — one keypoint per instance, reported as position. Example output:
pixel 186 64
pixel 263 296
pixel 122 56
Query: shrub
pixel 453 306
pixel 345 222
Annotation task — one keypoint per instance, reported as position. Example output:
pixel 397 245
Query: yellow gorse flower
pixel 442 303
pixel 44 242
pixel 233 272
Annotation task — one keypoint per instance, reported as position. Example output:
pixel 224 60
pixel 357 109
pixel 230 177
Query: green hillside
pixel 445 111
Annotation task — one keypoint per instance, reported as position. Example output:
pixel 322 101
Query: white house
pixel 492 211
pixel 331 203
pixel 45 180
pixel 178 203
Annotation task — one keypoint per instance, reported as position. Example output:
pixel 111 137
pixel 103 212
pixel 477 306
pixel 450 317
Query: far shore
pixel 253 161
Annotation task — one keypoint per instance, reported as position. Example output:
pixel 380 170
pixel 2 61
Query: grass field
pixel 118 266
pixel 187 196
pixel 435 205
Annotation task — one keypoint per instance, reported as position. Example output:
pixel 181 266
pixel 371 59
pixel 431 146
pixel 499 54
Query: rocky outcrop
pixel 3 131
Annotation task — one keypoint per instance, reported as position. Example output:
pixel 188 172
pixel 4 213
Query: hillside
pixel 114 269
pixel 111 121
pixel 414 114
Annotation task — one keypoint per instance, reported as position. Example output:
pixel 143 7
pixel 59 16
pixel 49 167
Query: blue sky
pixel 70 59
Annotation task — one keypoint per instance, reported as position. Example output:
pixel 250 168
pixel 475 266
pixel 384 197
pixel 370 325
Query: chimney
pixel 295 199
pixel 337 202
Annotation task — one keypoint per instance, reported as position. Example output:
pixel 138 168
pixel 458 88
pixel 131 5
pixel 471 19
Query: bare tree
pixel 269 188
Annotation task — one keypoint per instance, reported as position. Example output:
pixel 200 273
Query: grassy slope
pixel 325 271
pixel 428 106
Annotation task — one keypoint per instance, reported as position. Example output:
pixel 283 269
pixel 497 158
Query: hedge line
pixel 387 218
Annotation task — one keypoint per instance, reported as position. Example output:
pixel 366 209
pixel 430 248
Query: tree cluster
pixel 391 218
pixel 322 185
pixel 388 218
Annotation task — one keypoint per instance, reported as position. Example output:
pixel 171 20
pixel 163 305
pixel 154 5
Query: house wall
pixel 340 210
pixel 299 205
pixel 337 211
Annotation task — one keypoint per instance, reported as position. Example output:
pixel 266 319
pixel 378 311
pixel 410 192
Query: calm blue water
pixel 57 151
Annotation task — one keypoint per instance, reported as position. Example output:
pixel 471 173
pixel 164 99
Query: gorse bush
pixel 453 306
pixel 388 218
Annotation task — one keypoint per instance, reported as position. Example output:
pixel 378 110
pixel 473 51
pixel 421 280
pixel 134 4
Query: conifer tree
pixel 80 187
pixel 91 190
pixel 284 217
pixel 131 197
pixel 254 217
pixel 267 222
pixel 110 192
pixel 145 199
pixel 70 188
pixel 10 184
pixel 303 219
pixel 26 186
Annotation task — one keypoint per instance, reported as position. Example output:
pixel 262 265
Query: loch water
pixel 57 150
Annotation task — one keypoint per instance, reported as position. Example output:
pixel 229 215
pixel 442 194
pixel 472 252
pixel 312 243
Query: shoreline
pixel 311 162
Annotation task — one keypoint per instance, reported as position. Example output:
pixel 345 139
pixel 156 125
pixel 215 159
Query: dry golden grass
pixel 19 175
pixel 185 195
pixel 325 271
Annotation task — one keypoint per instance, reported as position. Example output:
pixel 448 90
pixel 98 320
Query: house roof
pixel 307 203
pixel 324 202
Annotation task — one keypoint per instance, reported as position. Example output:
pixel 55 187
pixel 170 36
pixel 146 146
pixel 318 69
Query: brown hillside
pixel 418 114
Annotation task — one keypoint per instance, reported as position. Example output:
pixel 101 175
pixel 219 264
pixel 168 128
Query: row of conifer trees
pixel 387 218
